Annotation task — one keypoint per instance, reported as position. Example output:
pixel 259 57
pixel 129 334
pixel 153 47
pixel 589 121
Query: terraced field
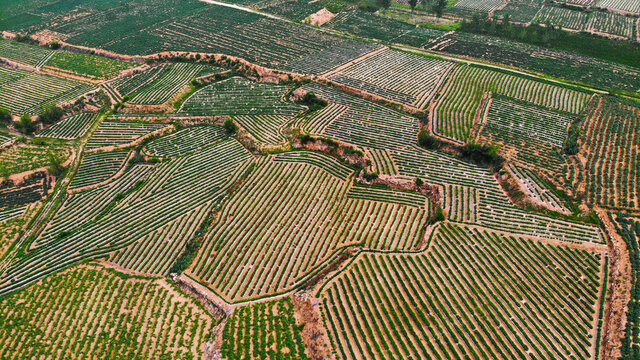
pixel 427 305
pixel 90 311
pixel 458 107
pixel 332 57
pixel 624 5
pixel 28 156
pixel 397 76
pixel 264 330
pixel 298 211
pixel 611 173
pixel 98 167
pixel 120 133
pixel 92 66
pixel 536 188
pixel 26 92
pixel 237 96
pixel 267 129
pixel 23 53
pixel 185 141
pixel 69 128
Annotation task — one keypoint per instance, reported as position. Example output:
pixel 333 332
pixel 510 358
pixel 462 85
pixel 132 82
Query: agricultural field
pixel 460 106
pixel 158 84
pixel 69 128
pixel 610 176
pixel 373 311
pixel 238 96
pixel 24 53
pixel 26 92
pixel 249 333
pixel 225 180
pixel 91 66
pixel 107 304
pixel 98 167
pixel 111 133
pixel 396 76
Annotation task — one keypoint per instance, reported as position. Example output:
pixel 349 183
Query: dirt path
pixel 314 333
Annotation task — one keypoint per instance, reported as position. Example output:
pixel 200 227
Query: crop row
pixel 69 128
pixel 265 330
pixel 612 170
pixel 5 139
pixel 289 219
pixel 473 294
pixel 98 167
pixel 330 165
pixel 625 5
pixel 237 96
pixel 92 66
pixel 388 195
pixel 461 203
pixel 157 252
pixel 26 156
pixel 366 123
pixel 185 141
pixel 458 106
pixel 91 312
pixel 598 21
pixel 332 57
pixel 115 133
pixel 536 188
pixel 267 129
pixel 316 122
pixel 482 6
pixel 382 162
pixel 90 224
pixel 398 76
pixel 26 92
pixel 23 53
pixel 173 79
pixel 7 214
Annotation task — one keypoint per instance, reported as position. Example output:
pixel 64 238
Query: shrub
pixel 312 101
pixel 482 154
pixel 571 147
pixel 230 127
pixel 54 45
pixel 419 182
pixel 5 117
pixel 55 165
pixel 51 115
pixel 370 176
pixel 25 125
pixel 426 140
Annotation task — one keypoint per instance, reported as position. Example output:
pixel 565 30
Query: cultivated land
pixel 202 180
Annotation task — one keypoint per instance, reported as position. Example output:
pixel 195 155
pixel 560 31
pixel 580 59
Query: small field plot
pixel 457 108
pixel 92 66
pixel 26 92
pixel 5 138
pixel 146 198
pixel 358 121
pixel 566 18
pixel 69 128
pixel 610 23
pixel 27 156
pixel 88 302
pixel 185 141
pixel 368 25
pixel 631 6
pixel 520 11
pixel 332 57
pixel 397 76
pixel 291 9
pixel 23 53
pixel 118 133
pixel 537 189
pixel 237 96
pixel 12 221
pixel 475 6
pixel 263 330
pixel 293 214
pixel 158 85
pixel 528 133
pixel 612 135
pixel 473 293
pixel 98 167
pixel 267 129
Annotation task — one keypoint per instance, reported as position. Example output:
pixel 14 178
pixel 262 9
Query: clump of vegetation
pixel 571 147
pixel 26 125
pixel 482 154
pixel 312 101
pixel 55 165
pixel 427 140
pixel 51 115
pixel 5 117
pixel 230 127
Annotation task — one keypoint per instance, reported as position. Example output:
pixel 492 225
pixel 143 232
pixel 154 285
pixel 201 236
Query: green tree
pixel 439 7
pixel 51 114
pixel 25 125
pixel 230 126
pixel 413 4
pixel 55 165
pixel 5 117
pixel 384 4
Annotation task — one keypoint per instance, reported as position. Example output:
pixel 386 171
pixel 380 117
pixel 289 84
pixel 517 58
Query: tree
pixel 230 126
pixel 439 7
pixel 55 165
pixel 25 124
pixel 51 114
pixel 419 182
pixel 5 117
pixel 384 4
pixel 413 4
pixel 426 140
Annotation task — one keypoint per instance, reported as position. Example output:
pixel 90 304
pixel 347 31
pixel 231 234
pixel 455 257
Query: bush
pixel 54 45
pixel 55 165
pixel 426 140
pixel 25 125
pixel 312 101
pixel 305 138
pixel 571 147
pixel 482 154
pixel 437 215
pixel 51 115
pixel 370 176
pixel 230 127
pixel 419 182
pixel 5 117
